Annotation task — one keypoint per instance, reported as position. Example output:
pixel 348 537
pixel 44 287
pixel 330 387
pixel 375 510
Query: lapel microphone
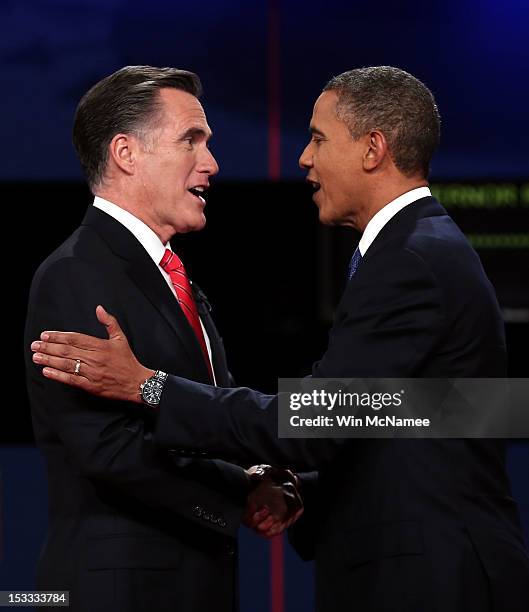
pixel 200 296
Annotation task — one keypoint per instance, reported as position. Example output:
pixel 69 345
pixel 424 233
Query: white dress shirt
pixel 385 214
pixel 151 243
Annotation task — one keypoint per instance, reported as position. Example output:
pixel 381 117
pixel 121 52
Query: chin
pixel 195 228
pixel 190 225
pixel 326 219
pixel 198 224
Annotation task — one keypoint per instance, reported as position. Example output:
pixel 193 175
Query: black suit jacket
pixel 131 527
pixel 402 524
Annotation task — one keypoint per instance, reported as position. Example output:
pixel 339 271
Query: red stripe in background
pixel 277 586
pixel 277 591
pixel 274 106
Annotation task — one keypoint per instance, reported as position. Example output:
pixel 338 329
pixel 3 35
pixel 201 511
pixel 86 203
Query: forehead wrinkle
pixel 197 131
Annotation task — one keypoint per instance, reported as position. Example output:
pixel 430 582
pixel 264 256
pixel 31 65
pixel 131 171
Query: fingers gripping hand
pixel 266 508
pixel 273 505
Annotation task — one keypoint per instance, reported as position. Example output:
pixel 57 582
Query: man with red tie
pixel 133 528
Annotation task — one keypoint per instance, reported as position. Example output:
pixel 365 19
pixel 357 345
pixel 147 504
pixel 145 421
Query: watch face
pixel 152 391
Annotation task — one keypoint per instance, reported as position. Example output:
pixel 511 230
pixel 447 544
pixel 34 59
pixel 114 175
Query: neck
pixel 383 194
pixel 129 202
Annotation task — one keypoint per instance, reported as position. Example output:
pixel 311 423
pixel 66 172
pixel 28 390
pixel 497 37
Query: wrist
pixel 297 481
pixel 150 387
pixel 142 375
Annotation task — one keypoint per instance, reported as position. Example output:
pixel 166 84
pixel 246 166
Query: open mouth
pixel 314 185
pixel 199 192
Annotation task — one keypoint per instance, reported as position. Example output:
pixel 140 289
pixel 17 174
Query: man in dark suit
pixel 396 524
pixel 133 527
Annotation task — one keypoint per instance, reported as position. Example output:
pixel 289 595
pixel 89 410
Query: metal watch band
pixel 160 377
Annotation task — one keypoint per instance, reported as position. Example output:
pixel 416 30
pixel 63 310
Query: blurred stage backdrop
pixel 262 65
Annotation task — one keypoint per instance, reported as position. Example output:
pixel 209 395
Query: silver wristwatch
pixel 151 389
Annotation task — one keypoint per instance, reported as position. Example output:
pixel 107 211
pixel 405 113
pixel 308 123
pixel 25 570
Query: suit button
pixel 230 550
pixel 198 511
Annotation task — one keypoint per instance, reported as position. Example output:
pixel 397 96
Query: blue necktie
pixel 354 263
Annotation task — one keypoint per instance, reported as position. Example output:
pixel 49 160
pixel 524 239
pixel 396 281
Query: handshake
pixel 274 502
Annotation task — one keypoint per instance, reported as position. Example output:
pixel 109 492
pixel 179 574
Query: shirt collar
pixel 143 233
pixel 386 213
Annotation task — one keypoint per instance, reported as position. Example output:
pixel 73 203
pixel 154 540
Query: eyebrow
pixel 315 131
pixel 195 131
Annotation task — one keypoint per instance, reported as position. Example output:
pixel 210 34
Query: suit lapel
pixel 404 222
pixel 152 284
pixel 145 275
pixel 218 354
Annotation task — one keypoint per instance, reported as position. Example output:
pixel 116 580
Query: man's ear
pixel 123 149
pixel 376 151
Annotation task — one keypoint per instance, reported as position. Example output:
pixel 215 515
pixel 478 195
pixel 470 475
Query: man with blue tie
pixel 400 525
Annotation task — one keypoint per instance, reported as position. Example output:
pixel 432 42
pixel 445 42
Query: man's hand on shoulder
pixel 107 368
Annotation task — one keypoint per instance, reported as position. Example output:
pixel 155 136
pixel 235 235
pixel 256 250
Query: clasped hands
pixel 274 502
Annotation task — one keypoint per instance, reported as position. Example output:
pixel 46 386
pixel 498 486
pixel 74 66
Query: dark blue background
pixel 473 54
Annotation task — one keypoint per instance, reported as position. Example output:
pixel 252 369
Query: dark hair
pixel 396 103
pixel 126 101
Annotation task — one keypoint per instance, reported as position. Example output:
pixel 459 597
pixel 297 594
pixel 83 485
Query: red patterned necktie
pixel 172 264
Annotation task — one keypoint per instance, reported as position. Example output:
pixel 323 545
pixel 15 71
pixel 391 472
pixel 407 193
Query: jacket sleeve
pixel 111 442
pixel 386 325
pixel 303 535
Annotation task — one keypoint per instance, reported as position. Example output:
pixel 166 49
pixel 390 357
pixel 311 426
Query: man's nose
pixel 208 163
pixel 305 160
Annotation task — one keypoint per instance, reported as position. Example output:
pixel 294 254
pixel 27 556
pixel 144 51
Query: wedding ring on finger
pixel 77 367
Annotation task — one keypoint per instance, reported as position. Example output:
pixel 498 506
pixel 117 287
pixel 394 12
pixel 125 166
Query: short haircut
pixel 126 102
pixel 396 103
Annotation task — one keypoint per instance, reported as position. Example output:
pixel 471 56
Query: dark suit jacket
pixel 411 525
pixel 130 527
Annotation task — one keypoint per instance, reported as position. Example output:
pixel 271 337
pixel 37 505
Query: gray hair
pixel 396 103
pixel 126 101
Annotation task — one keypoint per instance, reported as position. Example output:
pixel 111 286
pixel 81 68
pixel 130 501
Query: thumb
pixel 110 322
